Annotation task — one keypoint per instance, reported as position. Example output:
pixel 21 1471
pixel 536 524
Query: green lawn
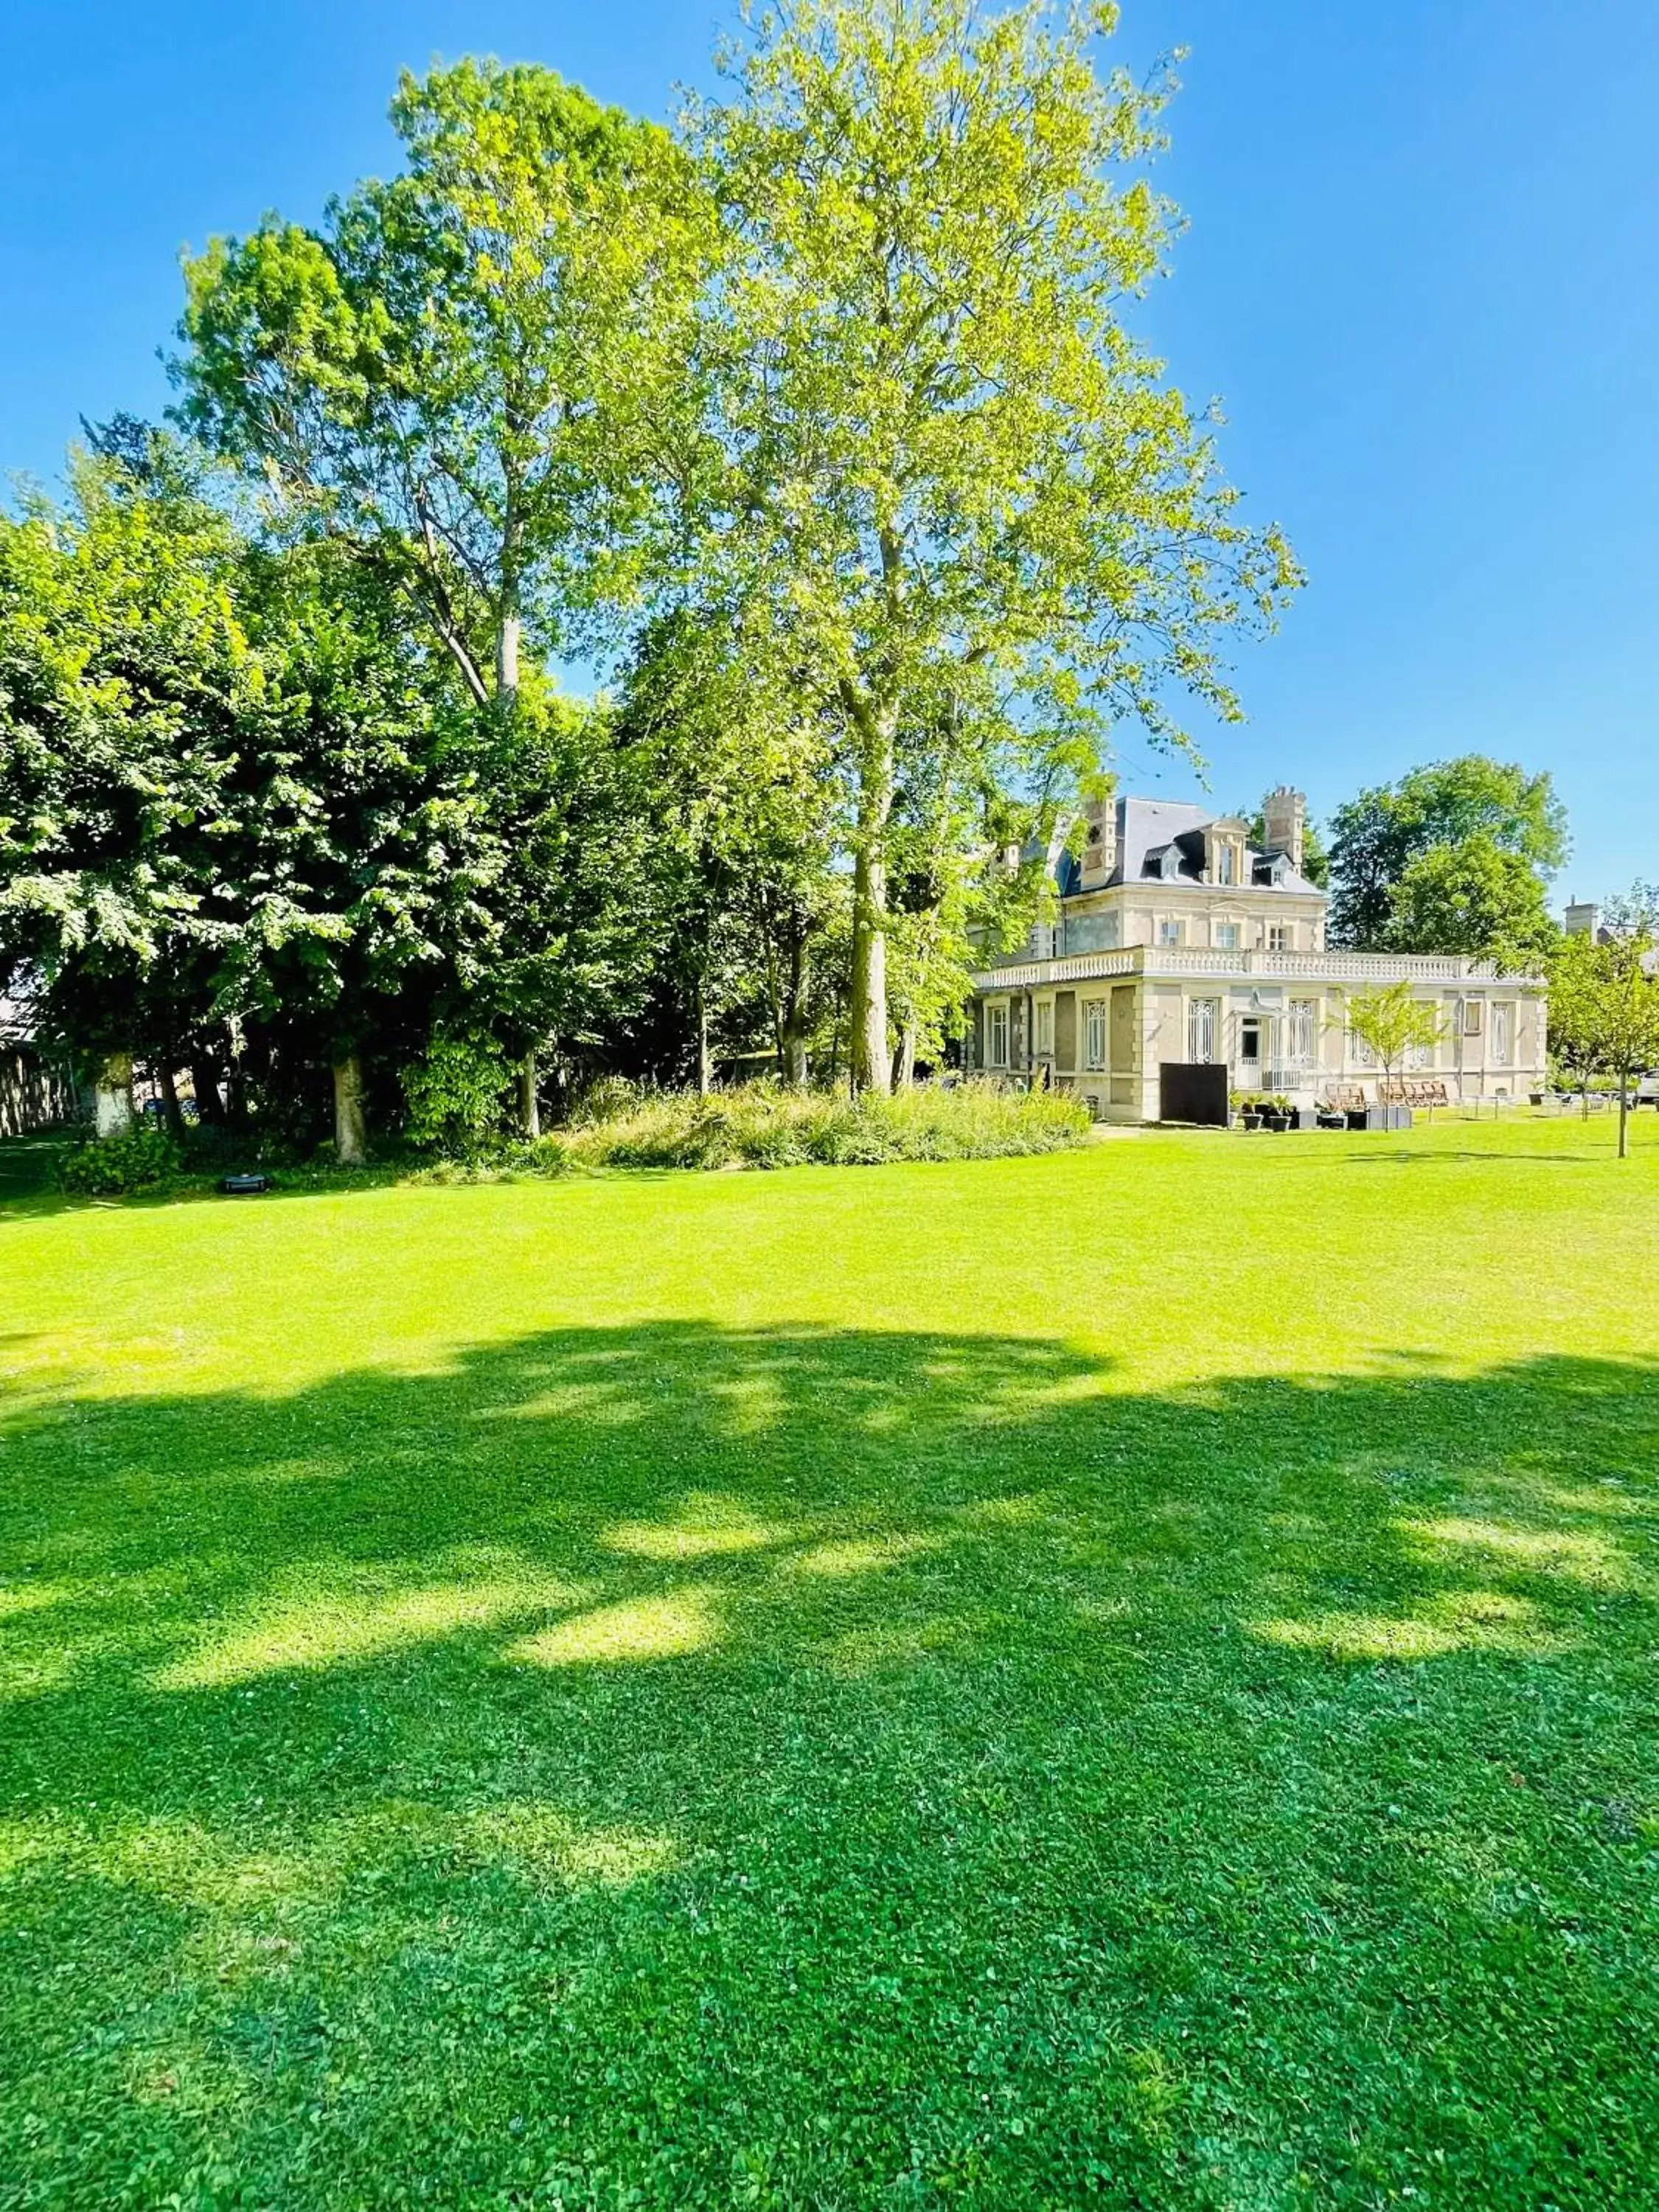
pixel 1123 1678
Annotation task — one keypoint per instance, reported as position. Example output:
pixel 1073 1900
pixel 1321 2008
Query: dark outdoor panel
pixel 1193 1090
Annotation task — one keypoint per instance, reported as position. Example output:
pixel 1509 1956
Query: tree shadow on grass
pixel 817 1769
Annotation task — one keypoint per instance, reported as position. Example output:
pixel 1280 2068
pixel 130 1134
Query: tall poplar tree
pixel 969 497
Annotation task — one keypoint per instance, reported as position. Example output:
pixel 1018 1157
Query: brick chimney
pixel 1099 856
pixel 1284 815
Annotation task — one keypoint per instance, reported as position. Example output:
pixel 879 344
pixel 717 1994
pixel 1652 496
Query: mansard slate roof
pixel 1150 831
pixel 1162 840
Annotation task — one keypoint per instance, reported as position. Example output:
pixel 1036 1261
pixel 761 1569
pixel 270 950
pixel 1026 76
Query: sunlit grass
pixel 1122 1678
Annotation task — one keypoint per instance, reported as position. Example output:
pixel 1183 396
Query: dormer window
pixel 1224 851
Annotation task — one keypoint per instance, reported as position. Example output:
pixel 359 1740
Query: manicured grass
pixel 1124 1677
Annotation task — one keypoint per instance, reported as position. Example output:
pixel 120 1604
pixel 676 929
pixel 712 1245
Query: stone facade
pixel 1179 942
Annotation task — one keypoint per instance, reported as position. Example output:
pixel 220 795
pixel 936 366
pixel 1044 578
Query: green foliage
pixel 734 781
pixel 126 679
pixel 1474 898
pixel 1392 1022
pixel 830 397
pixel 140 1159
pixel 1376 837
pixel 450 377
pixel 762 1125
pixel 458 1095
pixel 1604 999
pixel 953 497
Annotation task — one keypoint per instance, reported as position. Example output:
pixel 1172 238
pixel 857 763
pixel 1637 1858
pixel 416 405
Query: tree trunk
pixel 204 1082
pixel 869 1050
pixel 507 660
pixel 113 1096
pixel 529 1111
pixel 350 1124
pixel 904 1060
pixel 1623 1113
pixel 871 1066
pixel 172 1112
pixel 794 1053
pixel 793 1040
pixel 705 1066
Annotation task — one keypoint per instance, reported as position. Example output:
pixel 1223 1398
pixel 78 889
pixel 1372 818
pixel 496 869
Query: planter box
pixel 1380 1117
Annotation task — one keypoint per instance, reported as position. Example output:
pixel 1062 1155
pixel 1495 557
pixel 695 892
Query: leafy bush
pixel 457 1095
pixel 109 1167
pixel 762 1125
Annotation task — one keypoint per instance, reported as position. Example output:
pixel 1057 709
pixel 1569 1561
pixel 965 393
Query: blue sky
pixel 1422 274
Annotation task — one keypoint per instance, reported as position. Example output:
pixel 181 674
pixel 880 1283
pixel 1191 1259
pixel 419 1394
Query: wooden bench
pixel 1414 1091
pixel 1345 1098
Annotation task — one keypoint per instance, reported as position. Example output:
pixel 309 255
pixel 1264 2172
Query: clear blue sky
pixel 1422 273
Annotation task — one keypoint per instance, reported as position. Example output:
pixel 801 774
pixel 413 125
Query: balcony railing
pixel 1198 960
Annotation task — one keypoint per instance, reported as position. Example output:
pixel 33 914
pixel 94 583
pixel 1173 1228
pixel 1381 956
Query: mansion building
pixel 1177 943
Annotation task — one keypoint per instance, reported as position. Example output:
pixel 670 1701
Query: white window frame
pixel 1171 933
pixel 1203 1031
pixel 1226 867
pixel 1503 1033
pixel 1472 1017
pixel 1224 935
pixel 1278 937
pixel 1096 1032
pixel 996 1045
pixel 1045 1029
pixel 1303 1013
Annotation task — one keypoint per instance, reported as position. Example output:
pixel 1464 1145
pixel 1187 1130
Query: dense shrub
pixel 456 1097
pixel 762 1125
pixel 107 1168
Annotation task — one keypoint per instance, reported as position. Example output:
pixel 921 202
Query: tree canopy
pixel 1494 808
pixel 459 375
pixel 947 487
pixel 818 419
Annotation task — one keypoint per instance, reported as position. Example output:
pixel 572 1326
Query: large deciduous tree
pixel 1377 836
pixel 235 791
pixel 465 374
pixel 126 673
pixel 969 502
pixel 1473 897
